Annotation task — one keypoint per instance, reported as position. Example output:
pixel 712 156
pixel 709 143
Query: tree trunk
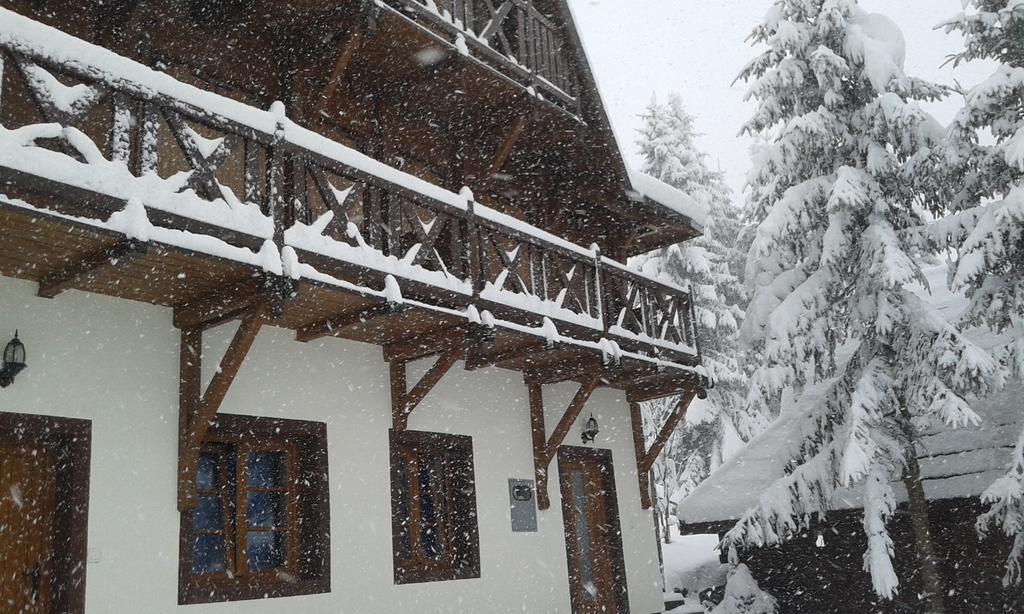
pixel 924 546
pixel 664 491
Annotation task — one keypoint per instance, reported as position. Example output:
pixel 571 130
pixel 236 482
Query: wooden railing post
pixel 476 274
pixel 393 219
pixel 276 197
pixel 596 293
pixel 609 306
pixel 149 144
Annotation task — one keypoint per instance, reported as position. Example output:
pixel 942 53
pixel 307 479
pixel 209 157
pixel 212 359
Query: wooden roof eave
pixel 665 227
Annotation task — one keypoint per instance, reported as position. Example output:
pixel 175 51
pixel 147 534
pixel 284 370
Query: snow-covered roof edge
pixel 641 185
pixel 656 190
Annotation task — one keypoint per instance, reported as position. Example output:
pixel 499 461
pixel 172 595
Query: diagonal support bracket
pixel 545 448
pixel 197 408
pixel 645 457
pixel 404 400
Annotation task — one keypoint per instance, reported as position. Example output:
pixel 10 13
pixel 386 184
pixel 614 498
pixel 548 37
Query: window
pixel 260 524
pixel 433 507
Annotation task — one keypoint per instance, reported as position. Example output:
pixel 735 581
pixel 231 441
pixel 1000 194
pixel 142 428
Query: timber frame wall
pixel 277 224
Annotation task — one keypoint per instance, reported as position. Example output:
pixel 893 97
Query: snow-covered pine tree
pixel 710 266
pixel 844 176
pixel 987 228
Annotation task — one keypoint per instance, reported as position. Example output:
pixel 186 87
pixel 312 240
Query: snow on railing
pixel 512 36
pixel 79 117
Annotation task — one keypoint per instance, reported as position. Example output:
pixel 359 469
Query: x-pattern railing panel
pixel 68 110
pixel 515 29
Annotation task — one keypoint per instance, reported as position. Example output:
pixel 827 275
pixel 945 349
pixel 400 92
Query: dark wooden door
pixel 597 581
pixel 44 501
pixel 27 488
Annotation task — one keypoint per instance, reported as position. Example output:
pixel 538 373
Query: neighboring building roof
pixel 955 462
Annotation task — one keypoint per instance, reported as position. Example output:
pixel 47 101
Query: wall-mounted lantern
pixel 14 361
pixel 590 430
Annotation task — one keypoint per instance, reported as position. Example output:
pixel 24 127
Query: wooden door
pixel 44 503
pixel 27 488
pixel 597 581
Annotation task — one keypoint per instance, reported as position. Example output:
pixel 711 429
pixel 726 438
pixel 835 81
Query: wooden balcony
pixel 120 180
pixel 512 37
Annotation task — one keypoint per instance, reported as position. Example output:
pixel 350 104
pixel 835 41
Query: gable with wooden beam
pixel 545 448
pixel 645 457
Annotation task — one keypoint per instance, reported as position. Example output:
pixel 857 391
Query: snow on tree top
pixel 955 462
pixel 879 42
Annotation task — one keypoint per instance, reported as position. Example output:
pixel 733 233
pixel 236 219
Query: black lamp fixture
pixel 590 430
pixel 14 361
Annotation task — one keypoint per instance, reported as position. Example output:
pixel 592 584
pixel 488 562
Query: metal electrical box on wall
pixel 523 505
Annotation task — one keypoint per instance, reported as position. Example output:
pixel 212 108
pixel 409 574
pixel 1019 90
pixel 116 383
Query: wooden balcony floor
pixel 39 246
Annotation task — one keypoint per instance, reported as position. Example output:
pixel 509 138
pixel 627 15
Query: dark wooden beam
pixel 337 325
pixel 640 449
pixel 670 425
pixel 631 372
pixel 119 254
pixel 539 437
pixel 570 415
pixel 348 51
pixel 666 429
pixel 399 388
pixel 189 393
pixel 200 411
pixel 403 402
pixel 426 344
pixel 480 359
pixel 505 151
pixel 217 307
pixel 469 336
pixel 544 451
pixel 661 385
pixel 578 370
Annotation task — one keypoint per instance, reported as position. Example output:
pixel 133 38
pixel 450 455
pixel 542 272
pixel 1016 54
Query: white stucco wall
pixel 115 362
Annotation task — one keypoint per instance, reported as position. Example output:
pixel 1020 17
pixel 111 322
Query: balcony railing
pixel 79 119
pixel 510 35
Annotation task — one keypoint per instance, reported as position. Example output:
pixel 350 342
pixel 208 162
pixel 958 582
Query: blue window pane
pixel 208 554
pixel 579 503
pixel 265 470
pixel 264 510
pixel 265 550
pixel 206 472
pixel 429 542
pixel 208 514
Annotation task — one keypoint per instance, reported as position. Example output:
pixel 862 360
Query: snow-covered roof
pixel 955 462
pixel 647 187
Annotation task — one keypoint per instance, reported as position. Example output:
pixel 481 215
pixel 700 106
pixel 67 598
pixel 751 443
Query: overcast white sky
pixel 639 48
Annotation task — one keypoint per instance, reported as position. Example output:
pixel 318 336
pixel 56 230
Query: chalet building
pixel 821 570
pixel 321 307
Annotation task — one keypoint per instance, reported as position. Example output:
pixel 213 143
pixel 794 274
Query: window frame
pixel 307 513
pixel 458 559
